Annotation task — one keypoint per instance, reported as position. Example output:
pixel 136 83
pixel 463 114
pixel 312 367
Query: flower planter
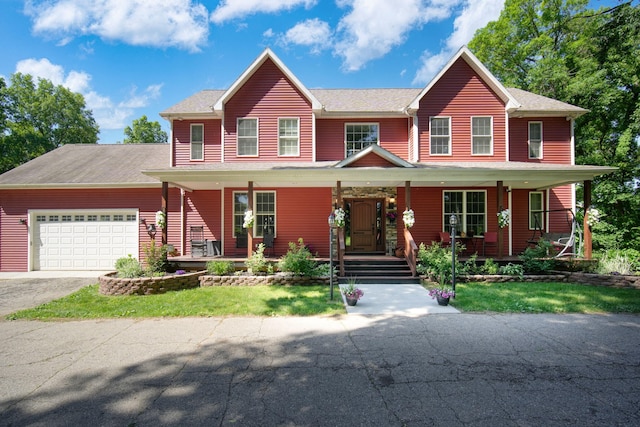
pixel 351 301
pixel 442 301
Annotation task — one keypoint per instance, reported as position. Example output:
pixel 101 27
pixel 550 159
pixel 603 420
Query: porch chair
pixel 490 238
pixel 268 240
pixel 198 242
pixel 445 238
pixel 566 245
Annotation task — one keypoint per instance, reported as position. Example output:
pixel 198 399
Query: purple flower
pixel 180 272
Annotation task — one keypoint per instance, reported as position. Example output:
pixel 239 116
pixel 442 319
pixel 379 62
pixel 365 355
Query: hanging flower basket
pixel 248 219
pixel 504 217
pixel 409 218
pixel 339 217
pixel 161 219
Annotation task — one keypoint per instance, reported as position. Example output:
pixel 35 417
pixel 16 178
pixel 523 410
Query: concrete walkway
pixel 398 300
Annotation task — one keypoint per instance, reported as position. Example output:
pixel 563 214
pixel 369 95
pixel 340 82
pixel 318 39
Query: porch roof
pixel 325 174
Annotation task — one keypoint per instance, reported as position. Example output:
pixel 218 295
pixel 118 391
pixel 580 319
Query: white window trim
pixel 298 145
pixel 463 215
pixel 530 211
pixel 490 153
pixel 191 143
pixel 255 212
pixel 529 140
pixel 257 137
pixel 346 124
pixel 450 149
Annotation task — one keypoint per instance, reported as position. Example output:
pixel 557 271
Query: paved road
pixel 449 370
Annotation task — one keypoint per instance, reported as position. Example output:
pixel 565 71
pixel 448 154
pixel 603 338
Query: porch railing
pixel 341 250
pixel 410 251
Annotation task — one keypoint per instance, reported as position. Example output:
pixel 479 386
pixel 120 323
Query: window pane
pixel 247 137
pixel 265 213
pixel 288 137
pixel 197 132
pixel 481 135
pixel 439 133
pixel 536 218
pixel 240 205
pixel 359 136
pixel 535 140
pixel 470 209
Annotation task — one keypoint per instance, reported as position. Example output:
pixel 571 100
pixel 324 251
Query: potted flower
pixel 352 293
pixel 442 295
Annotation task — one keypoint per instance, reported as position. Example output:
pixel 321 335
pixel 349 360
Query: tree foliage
pixel 144 131
pixel 38 117
pixel 590 58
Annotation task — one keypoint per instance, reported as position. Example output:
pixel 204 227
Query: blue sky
pixel 138 57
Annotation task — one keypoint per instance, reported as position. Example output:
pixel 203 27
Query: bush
pixel 257 263
pixel 614 264
pixel 322 270
pixel 156 259
pixel 220 268
pixel 435 262
pixel 631 255
pixel 512 270
pixel 537 260
pixel 298 260
pixel 490 266
pixel 129 267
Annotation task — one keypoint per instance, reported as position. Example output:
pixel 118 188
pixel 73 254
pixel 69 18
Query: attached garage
pixel 81 239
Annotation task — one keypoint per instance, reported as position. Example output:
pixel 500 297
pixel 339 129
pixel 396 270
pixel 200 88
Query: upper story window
pixel 470 207
pixel 289 136
pixel 536 219
pixel 360 135
pixel 247 137
pixel 197 142
pixel 440 136
pixel 535 140
pixel 481 136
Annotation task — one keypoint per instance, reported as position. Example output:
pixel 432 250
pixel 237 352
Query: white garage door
pixel 83 240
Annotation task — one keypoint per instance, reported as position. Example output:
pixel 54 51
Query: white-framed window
pixel 535 140
pixel 197 141
pixel 289 136
pixel 247 137
pixel 360 135
pixel 536 210
pixel 470 207
pixel 482 135
pixel 440 136
pixel 264 212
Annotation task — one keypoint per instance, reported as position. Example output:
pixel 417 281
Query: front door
pixel 364 227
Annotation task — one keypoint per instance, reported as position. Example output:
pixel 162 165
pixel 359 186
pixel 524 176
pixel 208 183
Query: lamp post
pixel 453 220
pixel 332 224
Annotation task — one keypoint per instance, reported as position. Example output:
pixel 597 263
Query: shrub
pixel 512 270
pixel 220 268
pixel 156 258
pixel 129 267
pixel 615 264
pixel 257 263
pixel 536 259
pixel 298 260
pixel 490 266
pixel 632 256
pixel 322 270
pixel 435 262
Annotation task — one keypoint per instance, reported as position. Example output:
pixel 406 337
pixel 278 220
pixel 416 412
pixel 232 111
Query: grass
pixel 87 303
pixel 542 297
pixel 537 297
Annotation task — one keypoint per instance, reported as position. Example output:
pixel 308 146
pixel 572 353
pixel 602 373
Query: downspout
pixel 510 202
pixel 183 224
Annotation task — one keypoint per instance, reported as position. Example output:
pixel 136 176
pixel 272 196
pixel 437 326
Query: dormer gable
pixel 465 54
pixel 373 156
pixel 267 54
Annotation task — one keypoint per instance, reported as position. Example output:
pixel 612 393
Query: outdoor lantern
pixel 392 203
pixel 332 223
pixel 453 220
pixel 151 229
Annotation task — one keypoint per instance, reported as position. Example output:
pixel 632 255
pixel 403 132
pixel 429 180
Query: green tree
pixel 589 58
pixel 144 131
pixel 37 118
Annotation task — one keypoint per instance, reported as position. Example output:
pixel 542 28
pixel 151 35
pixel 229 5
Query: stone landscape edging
pixel 110 284
pixel 265 280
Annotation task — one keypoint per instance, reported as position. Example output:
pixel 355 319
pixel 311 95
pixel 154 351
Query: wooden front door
pixel 363 225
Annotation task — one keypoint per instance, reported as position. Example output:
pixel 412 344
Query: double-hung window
pixel 197 142
pixel 289 136
pixel 481 136
pixel 247 137
pixel 264 213
pixel 535 140
pixel 440 136
pixel 360 135
pixel 470 208
pixel 536 210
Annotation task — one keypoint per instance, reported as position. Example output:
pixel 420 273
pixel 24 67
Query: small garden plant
pixel 298 260
pixel 220 268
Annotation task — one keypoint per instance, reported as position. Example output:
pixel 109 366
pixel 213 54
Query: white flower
pixel 248 219
pixel 593 216
pixel 504 217
pixel 409 218
pixel 339 217
pixel 161 219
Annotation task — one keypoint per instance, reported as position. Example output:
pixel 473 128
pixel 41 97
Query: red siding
pixel 394 137
pixel 461 94
pixel 268 95
pixel 556 140
pixel 372 160
pixel 182 141
pixel 203 208
pixel 15 205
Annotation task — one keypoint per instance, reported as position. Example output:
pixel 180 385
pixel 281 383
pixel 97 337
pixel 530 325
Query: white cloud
pixel 159 23
pixel 107 113
pixel 476 14
pixel 312 32
pixel 374 27
pixel 233 9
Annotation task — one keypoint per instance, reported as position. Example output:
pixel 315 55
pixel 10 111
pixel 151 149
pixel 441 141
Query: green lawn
pixel 87 303
pixel 539 297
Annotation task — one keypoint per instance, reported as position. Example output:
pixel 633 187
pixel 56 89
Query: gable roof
pixel 90 165
pixel 249 72
pixel 374 150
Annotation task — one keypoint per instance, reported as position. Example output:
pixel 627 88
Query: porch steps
pixel 378 269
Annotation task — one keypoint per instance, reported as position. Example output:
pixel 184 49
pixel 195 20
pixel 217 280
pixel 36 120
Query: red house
pixel 464 146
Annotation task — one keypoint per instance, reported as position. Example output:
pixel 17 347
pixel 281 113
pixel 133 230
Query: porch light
pixel 151 230
pixel 332 224
pixel 453 221
pixel 392 203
